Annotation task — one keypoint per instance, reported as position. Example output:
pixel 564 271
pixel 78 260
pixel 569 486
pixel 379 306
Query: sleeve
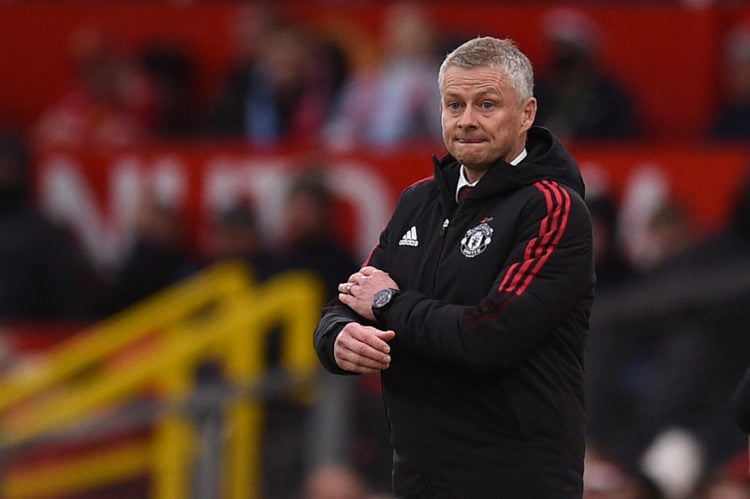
pixel 336 315
pixel 548 271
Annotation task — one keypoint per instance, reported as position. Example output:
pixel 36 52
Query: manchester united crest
pixel 476 240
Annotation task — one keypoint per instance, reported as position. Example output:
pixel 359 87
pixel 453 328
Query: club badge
pixel 476 240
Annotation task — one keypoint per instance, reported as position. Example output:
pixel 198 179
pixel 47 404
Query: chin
pixel 470 160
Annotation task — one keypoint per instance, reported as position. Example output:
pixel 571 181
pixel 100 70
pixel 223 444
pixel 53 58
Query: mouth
pixel 469 141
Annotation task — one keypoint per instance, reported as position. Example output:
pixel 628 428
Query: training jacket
pixel 740 402
pixel 484 394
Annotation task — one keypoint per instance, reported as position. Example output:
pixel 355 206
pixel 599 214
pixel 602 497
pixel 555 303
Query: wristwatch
pixel 381 300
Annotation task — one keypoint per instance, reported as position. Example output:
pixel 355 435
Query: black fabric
pixel 43 273
pixel 485 391
pixel 741 402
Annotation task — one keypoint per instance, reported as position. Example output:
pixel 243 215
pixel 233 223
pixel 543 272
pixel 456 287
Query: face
pixel 482 119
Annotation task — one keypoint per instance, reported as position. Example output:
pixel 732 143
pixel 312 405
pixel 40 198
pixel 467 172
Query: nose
pixel 467 118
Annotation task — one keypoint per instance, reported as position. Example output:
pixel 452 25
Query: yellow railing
pixel 219 315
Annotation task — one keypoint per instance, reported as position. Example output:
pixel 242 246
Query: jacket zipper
pixel 436 268
pixel 446 222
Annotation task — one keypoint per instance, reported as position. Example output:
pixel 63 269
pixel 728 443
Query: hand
pixel 358 291
pixel 362 349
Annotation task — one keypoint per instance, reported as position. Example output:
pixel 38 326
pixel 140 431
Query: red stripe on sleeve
pixel 540 248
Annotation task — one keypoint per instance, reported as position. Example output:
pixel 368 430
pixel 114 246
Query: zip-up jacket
pixel 485 394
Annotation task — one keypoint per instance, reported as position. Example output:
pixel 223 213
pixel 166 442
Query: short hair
pixel 502 54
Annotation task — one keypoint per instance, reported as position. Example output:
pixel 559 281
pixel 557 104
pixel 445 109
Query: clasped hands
pixel 359 348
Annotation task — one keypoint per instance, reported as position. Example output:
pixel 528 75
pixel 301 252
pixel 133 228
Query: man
pixel 475 313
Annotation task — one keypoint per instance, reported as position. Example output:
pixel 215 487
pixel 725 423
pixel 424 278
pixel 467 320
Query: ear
pixel 528 113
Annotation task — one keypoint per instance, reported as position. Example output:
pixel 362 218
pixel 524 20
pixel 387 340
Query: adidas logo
pixel 410 238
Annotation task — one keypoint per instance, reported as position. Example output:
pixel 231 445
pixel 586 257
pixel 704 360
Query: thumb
pixel 387 335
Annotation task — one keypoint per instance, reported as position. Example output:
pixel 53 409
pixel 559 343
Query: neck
pixel 473 173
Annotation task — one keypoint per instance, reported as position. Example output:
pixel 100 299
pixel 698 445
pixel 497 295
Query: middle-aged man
pixel 475 311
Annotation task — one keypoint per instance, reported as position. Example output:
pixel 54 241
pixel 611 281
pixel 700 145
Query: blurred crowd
pixel 668 339
pixel 290 82
pixel 286 83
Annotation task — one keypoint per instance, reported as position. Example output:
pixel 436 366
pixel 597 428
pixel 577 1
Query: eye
pixel 488 105
pixel 454 106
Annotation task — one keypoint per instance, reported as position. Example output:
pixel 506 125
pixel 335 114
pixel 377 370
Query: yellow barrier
pixel 80 473
pixel 216 315
pixel 167 307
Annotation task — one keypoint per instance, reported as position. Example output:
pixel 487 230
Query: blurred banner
pixel 96 192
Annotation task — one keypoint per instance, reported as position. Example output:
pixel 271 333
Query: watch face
pixel 382 298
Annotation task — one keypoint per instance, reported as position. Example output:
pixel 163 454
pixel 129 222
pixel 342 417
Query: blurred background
pixel 183 183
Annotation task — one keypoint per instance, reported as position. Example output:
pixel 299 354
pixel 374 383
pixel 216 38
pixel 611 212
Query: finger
pixel 354 368
pixel 359 304
pixel 386 335
pixel 353 352
pixel 360 364
pixel 366 271
pixel 374 338
pixel 348 363
pixel 362 342
pixel 359 349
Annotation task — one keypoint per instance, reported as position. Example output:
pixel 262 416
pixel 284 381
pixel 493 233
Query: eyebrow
pixel 480 93
pixel 488 90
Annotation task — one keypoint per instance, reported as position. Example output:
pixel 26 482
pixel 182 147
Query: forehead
pixel 473 81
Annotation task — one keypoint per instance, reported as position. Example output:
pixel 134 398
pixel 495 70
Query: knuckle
pixel 361 349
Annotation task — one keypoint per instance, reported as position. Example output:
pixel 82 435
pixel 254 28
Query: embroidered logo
pixel 410 237
pixel 476 240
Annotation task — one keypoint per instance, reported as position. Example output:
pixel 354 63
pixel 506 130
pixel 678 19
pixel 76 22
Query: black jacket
pixel 741 402
pixel 484 394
